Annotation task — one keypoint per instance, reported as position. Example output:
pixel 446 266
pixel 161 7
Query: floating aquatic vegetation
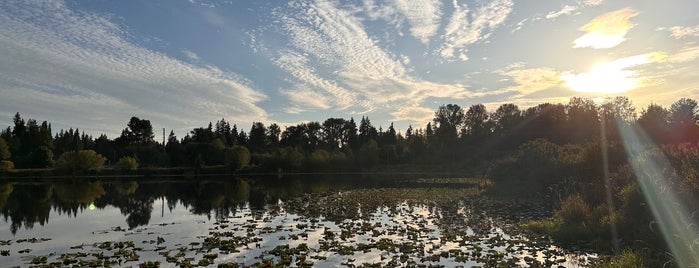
pixel 420 226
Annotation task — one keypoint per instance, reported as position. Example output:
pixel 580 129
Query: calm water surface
pixel 297 221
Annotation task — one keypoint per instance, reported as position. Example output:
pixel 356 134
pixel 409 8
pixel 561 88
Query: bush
pixel 573 210
pixel 627 258
pixel 6 165
pixel 81 161
pixel 4 150
pixel 237 157
pixel 126 163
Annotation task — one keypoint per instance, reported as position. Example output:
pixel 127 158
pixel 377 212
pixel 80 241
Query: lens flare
pixel 668 210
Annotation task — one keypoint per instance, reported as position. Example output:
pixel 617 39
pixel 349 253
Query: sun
pixel 602 78
pixel 612 77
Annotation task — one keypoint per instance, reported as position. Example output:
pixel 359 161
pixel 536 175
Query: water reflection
pixel 267 221
pixel 24 204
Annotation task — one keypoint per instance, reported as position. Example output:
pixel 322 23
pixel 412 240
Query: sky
pixel 181 64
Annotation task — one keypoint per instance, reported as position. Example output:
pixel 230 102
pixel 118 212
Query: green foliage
pixel 82 161
pixel 537 165
pixel 319 159
pixel 288 159
pixel 126 163
pixel 236 157
pixel 573 210
pixel 42 157
pixel 576 222
pixel 368 154
pixel 6 165
pixel 4 150
pixel 627 259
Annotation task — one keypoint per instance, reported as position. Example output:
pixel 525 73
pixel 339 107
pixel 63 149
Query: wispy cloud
pixel 679 32
pixel 323 35
pixel 571 9
pixel 591 2
pixel 566 10
pixel 53 58
pixel 414 114
pixel 532 80
pixel 312 91
pixel 467 26
pixel 687 54
pixel 607 30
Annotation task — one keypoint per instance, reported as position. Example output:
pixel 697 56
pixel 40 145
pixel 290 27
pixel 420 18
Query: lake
pixel 327 220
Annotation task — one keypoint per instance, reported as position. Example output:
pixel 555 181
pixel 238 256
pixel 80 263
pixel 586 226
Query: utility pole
pixel 163 138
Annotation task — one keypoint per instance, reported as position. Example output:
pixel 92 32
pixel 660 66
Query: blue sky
pixel 181 64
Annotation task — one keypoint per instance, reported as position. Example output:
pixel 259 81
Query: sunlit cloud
pixel 591 2
pixel 607 30
pixel 682 31
pixel 612 77
pixel 413 114
pixel 533 80
pixel 58 60
pixel 566 10
pixel 469 25
pixel 687 54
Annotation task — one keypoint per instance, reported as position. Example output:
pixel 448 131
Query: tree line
pixel 456 138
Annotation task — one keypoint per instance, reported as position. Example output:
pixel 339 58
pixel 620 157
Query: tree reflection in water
pixel 25 203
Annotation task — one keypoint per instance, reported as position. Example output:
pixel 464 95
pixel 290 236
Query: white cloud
pixel 519 25
pixel 312 91
pixel 191 55
pixel 81 64
pixel 532 80
pixel 679 32
pixel 591 2
pixel 331 39
pixel 687 54
pixel 607 30
pixel 413 114
pixel 422 15
pixel 467 26
pixel 566 10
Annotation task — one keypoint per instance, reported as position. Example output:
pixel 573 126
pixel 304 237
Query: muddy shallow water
pixel 293 221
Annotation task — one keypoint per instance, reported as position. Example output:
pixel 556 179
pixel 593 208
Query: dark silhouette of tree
pixel 272 136
pixel 616 113
pixel 448 120
pixel 338 133
pixel 546 121
pixel 506 118
pixel 138 131
pixel 476 125
pixel 223 131
pixel 583 120
pixel 257 137
pixel 366 131
pixel 655 121
pixel 683 120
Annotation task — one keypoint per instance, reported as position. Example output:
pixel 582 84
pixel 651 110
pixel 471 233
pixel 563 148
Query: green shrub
pixel 4 150
pixel 81 161
pixel 236 157
pixel 126 163
pixel 6 165
pixel 573 210
pixel 627 259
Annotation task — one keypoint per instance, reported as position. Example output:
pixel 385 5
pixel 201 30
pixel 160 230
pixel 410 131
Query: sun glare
pixel 611 77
